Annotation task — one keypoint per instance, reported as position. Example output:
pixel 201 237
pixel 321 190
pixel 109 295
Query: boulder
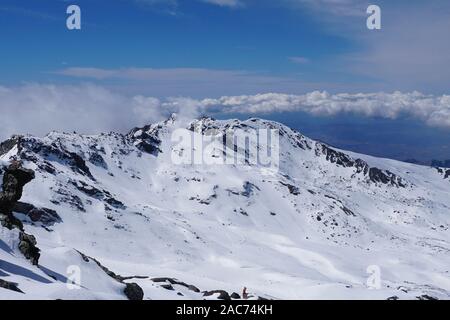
pixel 133 292
pixel 27 246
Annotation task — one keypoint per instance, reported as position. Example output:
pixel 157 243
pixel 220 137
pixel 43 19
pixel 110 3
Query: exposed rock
pixel 223 295
pixel 292 189
pixel 176 282
pixel 7 145
pixel 10 286
pixel 146 139
pixel 348 211
pixel 57 152
pixel 344 160
pixel 167 287
pixel 14 179
pixel 66 197
pixel 234 295
pixel 97 160
pixel 45 216
pixel 27 246
pixel 249 189
pixel 133 292
pixel 95 193
pixel 426 297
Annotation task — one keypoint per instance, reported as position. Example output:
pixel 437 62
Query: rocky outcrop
pixel 95 193
pixel 292 189
pixel 27 247
pixel 374 174
pixel 173 281
pixel 133 292
pixel 147 139
pixel 57 151
pixel 444 172
pixel 9 144
pixel 9 286
pixel 15 177
pixel 46 216
pixel 222 295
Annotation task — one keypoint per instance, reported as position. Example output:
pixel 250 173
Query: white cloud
pixel 342 8
pixel 225 3
pixel 411 51
pixel 434 110
pixel 39 109
pixel 299 60
pixel 175 3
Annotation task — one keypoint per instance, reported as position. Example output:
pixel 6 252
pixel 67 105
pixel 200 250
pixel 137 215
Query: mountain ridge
pixel 204 223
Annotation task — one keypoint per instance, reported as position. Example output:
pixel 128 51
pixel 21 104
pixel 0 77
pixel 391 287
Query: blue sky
pixel 264 40
pixel 213 48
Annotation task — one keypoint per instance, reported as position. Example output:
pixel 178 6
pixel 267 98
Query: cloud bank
pixel 38 109
pixel 434 110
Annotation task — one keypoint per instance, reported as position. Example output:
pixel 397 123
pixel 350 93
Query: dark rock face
pixel 9 286
pixel 57 152
pixel 7 145
pixel 426 297
pixel 234 295
pixel 146 139
pixel 27 246
pixel 374 174
pixel 66 197
pixel 45 216
pixel 97 159
pixel 95 193
pixel 133 292
pixel 249 189
pixel 14 179
pixel 292 189
pixel 177 282
pixel 443 171
pixel 223 295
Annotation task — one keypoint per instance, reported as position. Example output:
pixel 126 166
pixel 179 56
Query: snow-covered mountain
pixel 115 212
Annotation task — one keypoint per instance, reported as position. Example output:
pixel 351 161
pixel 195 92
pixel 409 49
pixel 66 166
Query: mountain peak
pixel 142 214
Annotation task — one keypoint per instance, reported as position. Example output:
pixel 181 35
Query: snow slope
pixel 307 231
